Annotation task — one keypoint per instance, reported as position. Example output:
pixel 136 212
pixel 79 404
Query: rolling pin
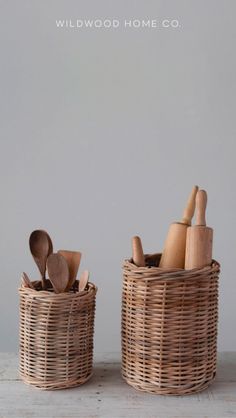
pixel 173 255
pixel 137 251
pixel 199 237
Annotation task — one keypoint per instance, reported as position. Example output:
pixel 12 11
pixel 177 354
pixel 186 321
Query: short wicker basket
pixel 56 337
pixel 169 327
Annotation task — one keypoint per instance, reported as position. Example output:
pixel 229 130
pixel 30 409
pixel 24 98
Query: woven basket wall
pixel 169 327
pixel 56 337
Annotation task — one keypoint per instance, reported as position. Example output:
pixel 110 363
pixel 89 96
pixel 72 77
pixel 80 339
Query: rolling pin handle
pixel 201 203
pixel 190 207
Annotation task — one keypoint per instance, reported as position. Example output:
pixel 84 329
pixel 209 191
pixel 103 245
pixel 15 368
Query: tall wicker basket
pixel 56 337
pixel 169 327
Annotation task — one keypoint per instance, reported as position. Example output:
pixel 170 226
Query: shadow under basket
pixel 169 327
pixel 56 337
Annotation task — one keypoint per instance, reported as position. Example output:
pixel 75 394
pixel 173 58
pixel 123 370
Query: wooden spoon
pixel 83 281
pixel 73 260
pixel 41 247
pixel 26 281
pixel 58 272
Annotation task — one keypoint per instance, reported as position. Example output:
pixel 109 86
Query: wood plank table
pixel 106 395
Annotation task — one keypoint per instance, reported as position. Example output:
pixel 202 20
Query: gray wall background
pixel 104 132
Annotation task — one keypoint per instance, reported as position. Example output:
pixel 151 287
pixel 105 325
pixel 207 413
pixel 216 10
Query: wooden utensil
pixel 199 237
pixel 83 281
pixel 137 250
pixel 73 260
pixel 58 272
pixel 25 280
pixel 173 255
pixel 41 247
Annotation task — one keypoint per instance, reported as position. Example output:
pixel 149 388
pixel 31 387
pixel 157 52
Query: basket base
pixel 181 391
pixel 55 386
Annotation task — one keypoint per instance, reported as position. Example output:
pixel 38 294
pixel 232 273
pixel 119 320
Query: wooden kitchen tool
pixel 25 280
pixel 137 250
pixel 73 260
pixel 41 247
pixel 173 255
pixel 58 272
pixel 199 237
pixel 83 281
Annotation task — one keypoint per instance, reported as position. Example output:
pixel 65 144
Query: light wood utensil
pixel 73 260
pixel 199 237
pixel 41 247
pixel 83 281
pixel 137 252
pixel 25 280
pixel 58 272
pixel 173 255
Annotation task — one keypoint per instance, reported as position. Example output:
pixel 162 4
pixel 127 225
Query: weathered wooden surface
pixel 106 395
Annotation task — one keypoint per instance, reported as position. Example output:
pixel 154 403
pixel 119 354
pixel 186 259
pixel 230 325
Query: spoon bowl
pixel 41 247
pixel 58 272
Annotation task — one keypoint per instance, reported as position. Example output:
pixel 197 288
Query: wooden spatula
pixel 25 280
pixel 73 260
pixel 199 237
pixel 58 272
pixel 83 281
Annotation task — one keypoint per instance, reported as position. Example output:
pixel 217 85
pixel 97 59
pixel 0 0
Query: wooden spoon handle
pixel 201 203
pixel 138 256
pixel 190 207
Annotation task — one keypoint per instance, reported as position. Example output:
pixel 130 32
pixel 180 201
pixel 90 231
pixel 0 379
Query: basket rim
pixel 151 272
pixel 45 294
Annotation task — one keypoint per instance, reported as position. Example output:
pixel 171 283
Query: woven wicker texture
pixel 169 327
pixel 56 337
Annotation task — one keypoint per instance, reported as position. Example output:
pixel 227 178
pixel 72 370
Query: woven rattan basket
pixel 56 337
pixel 169 327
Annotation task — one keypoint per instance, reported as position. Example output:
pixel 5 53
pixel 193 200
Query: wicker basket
pixel 169 327
pixel 56 337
